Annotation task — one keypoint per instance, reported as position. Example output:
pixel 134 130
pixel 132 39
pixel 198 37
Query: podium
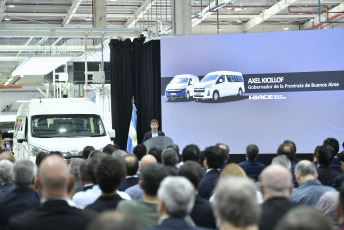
pixel 159 142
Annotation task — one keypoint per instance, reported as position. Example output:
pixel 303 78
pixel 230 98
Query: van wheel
pixel 188 95
pixel 240 92
pixel 216 96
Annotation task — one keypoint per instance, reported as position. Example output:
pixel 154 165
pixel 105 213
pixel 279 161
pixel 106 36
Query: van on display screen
pixel 260 88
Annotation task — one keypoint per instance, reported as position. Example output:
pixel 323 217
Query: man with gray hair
pixel 310 189
pixel 175 201
pixel 276 186
pixel 5 181
pixel 282 160
pixel 169 157
pixel 235 204
pixel 23 197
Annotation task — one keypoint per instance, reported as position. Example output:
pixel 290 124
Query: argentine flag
pixel 132 136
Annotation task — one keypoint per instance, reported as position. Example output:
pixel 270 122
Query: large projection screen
pixel 294 89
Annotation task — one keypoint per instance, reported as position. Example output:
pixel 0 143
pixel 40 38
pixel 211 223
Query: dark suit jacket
pixel 272 210
pixel 53 215
pixel 128 182
pixel 337 181
pixel 15 202
pixel 5 188
pixel 104 203
pixel 252 168
pixel 202 213
pixel 208 183
pixel 173 224
pixel 326 175
pixel 148 135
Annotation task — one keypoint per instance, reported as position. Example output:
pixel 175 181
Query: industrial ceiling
pixel 32 28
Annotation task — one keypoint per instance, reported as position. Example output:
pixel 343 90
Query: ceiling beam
pixel 72 10
pixel 17 48
pixel 315 21
pixel 51 15
pixel 146 5
pixel 196 21
pixel 268 13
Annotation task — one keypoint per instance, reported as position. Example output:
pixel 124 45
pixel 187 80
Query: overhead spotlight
pixel 286 28
pixel 11 6
pixel 88 19
pixel 7 19
pixel 239 21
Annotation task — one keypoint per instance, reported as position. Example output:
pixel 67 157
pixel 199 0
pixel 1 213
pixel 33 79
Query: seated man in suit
pixel 132 166
pixel 5 181
pixel 154 124
pixel 276 186
pixel 109 173
pixel 202 213
pixel 22 197
pixel 175 201
pixel 251 166
pixel 112 220
pixel 213 161
pixel 325 174
pixel 235 204
pixel 54 211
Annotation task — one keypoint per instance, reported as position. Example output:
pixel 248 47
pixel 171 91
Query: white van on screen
pixel 220 84
pixel 181 86
pixel 65 125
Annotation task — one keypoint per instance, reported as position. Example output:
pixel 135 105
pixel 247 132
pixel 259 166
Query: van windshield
pixel 179 80
pixel 85 125
pixel 209 78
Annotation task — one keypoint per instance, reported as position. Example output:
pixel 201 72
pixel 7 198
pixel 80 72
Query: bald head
pixel 275 181
pixel 148 159
pixel 54 176
pixel 7 155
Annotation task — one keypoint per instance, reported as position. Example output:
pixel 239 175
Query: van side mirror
pixel 112 133
pixel 21 137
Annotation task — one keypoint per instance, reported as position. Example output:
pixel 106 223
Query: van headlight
pixel 207 86
pixel 183 87
pixel 34 150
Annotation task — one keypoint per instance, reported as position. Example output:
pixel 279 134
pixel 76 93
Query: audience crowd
pixel 165 189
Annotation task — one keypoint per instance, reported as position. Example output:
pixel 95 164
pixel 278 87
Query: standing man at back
pixel 154 124
pixel 54 213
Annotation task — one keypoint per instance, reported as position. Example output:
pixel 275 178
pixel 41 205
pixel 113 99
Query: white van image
pixel 66 125
pixel 220 84
pixel 181 86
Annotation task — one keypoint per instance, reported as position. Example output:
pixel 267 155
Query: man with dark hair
pixel 86 151
pixel 213 161
pixel 154 124
pixel 310 189
pixel 109 149
pixel 335 145
pixel 191 153
pixel 226 150
pixel 337 181
pixel 132 165
pixel 84 198
pixel 325 174
pixel 140 150
pixel 145 211
pixel 109 173
pixel 23 197
pixel 54 212
pixel 289 150
pixel 175 147
pixel 169 157
pixel 251 166
pixel 111 220
pixel 202 213
pixel 156 152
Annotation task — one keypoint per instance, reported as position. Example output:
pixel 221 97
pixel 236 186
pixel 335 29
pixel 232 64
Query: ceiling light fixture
pixel 7 19
pixel 88 19
pixel 40 65
pixel 11 5
pixel 286 28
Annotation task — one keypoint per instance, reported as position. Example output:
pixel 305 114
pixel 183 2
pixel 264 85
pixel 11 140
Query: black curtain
pixel 135 70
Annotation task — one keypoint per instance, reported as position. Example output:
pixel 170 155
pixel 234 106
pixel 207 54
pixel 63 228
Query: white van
pixel 66 125
pixel 220 84
pixel 181 86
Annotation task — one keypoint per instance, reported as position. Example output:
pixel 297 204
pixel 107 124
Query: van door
pixel 222 85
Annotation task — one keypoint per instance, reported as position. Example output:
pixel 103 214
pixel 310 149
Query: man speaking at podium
pixel 154 124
